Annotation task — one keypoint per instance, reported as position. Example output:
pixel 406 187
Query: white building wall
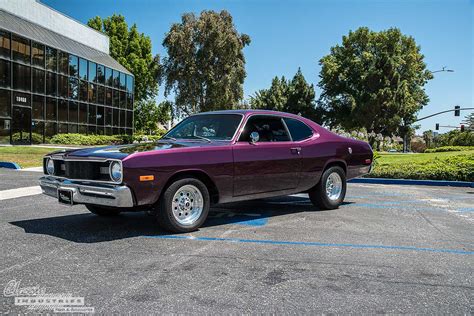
pixel 36 12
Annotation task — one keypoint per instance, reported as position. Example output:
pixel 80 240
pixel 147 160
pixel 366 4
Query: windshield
pixel 208 126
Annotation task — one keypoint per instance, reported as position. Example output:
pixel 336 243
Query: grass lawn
pixel 25 156
pixel 454 165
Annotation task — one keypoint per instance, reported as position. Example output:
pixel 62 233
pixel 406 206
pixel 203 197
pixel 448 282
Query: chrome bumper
pixel 89 193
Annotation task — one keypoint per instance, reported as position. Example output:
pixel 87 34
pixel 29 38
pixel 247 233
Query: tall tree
pixel 469 121
pixel 293 96
pixel 374 80
pixel 205 66
pixel 148 114
pixel 133 50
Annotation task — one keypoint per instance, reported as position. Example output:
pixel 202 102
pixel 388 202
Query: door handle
pixel 295 150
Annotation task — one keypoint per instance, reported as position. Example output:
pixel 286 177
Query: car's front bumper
pixel 89 193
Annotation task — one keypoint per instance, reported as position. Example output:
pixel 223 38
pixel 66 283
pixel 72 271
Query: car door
pixel 271 164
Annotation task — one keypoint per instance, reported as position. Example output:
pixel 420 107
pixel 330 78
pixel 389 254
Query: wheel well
pixel 200 175
pixel 338 164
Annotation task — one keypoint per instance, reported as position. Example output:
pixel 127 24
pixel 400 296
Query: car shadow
pixel 89 228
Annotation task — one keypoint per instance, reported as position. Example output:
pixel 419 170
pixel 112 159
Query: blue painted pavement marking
pixel 229 217
pixel 466 209
pixel 314 244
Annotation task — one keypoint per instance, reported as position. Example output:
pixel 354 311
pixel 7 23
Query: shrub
pixel 101 140
pixel 448 148
pixel 455 168
pixel 35 138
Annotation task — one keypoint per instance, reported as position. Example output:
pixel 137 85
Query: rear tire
pixel 183 206
pixel 102 211
pixel 329 193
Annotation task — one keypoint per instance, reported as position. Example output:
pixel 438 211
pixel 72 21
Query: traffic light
pixel 437 126
pixel 457 111
pixel 462 127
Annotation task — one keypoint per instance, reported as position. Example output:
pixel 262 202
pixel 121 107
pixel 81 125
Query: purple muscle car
pixel 208 158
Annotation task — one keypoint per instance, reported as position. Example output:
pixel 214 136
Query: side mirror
pixel 254 137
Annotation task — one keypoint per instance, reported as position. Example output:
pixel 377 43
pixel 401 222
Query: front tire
pixel 184 206
pixel 102 211
pixel 329 193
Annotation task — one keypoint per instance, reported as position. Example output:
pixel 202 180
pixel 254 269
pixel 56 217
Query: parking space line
pixel 19 192
pixel 314 244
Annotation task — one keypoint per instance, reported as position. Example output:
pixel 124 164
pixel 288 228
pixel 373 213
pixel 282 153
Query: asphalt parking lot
pixel 388 249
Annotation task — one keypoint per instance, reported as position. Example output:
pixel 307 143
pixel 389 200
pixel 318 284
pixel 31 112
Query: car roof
pixel 249 111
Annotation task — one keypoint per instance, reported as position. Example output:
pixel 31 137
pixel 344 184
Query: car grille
pixel 82 170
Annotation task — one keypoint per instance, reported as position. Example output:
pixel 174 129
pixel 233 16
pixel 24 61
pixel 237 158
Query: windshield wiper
pixel 169 137
pixel 203 138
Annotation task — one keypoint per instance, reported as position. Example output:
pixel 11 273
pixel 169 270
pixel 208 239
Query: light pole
pixel 442 70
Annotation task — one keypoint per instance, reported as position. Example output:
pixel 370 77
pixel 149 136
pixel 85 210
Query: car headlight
pixel 50 166
pixel 116 171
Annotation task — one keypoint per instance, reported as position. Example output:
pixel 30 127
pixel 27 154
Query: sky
pixel 297 33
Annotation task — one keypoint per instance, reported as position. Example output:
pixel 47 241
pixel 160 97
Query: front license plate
pixel 65 197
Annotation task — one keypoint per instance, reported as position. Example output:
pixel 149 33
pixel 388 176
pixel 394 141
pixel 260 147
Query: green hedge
pixel 448 148
pixel 101 140
pixel 454 168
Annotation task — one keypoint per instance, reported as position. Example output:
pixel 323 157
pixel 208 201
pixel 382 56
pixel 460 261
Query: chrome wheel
pixel 333 186
pixel 187 205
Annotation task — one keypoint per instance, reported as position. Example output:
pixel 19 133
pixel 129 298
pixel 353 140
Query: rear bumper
pixel 89 193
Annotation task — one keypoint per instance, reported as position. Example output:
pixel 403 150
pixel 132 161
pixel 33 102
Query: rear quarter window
pixel 298 129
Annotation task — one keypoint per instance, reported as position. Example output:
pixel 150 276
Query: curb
pixel 442 183
pixel 9 165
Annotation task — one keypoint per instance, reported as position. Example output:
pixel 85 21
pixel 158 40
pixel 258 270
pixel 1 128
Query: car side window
pixel 298 129
pixel 269 128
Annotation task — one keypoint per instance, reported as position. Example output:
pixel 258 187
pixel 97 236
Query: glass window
pixel 100 74
pixel 51 59
pixel 213 126
pixel 129 101
pixel 5 102
pixel 83 69
pixel 116 99
pixel 51 83
pixel 37 132
pixel 21 77
pixel 92 114
pixel 129 119
pixel 4 131
pixel 5 73
pixel 109 79
pixel 92 93
pixel 269 128
pixel 51 110
pixel 49 130
pixel 108 97
pixel 91 130
pixel 123 100
pixel 82 129
pixel 116 82
pixel 123 84
pixel 298 129
pixel 73 88
pixel 73 110
pixel 108 116
pixel 62 111
pixel 83 91
pixel 129 84
pixel 83 113
pixel 38 107
pixel 37 51
pixel 21 49
pixel 100 130
pixel 115 117
pixel 38 80
pixel 62 128
pixel 122 118
pixel 108 131
pixel 73 66
pixel 62 86
pixel 72 128
pixel 100 94
pixel 100 115
pixel 92 72
pixel 4 44
pixel 63 62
